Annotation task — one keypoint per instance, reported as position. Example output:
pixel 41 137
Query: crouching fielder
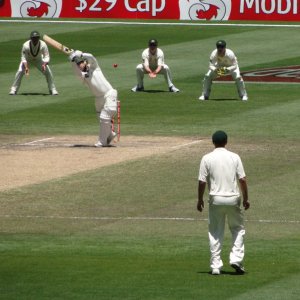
pixel 222 62
pixel 88 70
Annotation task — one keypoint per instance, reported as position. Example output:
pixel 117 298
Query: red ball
pixel 115 65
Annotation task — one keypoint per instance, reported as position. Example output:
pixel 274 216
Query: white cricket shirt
pixel 94 78
pixel 229 60
pixel 37 52
pixel 221 169
pixel 153 61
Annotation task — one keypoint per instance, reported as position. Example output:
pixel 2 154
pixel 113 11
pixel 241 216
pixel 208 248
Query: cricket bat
pixel 57 45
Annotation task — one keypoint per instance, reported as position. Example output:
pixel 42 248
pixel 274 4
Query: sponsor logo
pixel 280 7
pixel 36 8
pixel 204 9
pixel 289 74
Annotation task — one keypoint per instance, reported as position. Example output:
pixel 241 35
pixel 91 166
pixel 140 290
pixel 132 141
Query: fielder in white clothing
pixel 34 52
pixel 88 70
pixel 153 63
pixel 223 172
pixel 222 62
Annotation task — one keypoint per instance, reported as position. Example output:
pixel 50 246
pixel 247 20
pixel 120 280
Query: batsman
pixel 87 69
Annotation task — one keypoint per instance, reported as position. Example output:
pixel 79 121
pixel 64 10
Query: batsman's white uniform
pixel 105 96
pixel 37 56
pixel 221 169
pixel 153 61
pixel 216 62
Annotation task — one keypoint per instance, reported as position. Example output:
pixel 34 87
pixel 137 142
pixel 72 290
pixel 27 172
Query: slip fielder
pixel 87 69
pixel 34 52
pixel 153 63
pixel 222 62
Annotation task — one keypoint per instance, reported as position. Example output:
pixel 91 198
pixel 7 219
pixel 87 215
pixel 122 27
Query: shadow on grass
pixel 230 273
pixel 90 146
pixel 156 91
pixel 35 94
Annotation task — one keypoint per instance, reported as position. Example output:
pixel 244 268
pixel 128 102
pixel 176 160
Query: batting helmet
pixel 78 60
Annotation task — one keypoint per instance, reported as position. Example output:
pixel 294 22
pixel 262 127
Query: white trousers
pixel 38 64
pixel 140 72
pixel 216 228
pixel 106 108
pixel 236 75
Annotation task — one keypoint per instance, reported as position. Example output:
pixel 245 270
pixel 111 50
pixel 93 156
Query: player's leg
pixel 49 77
pixel 216 227
pixel 140 78
pixel 18 79
pixel 207 83
pixel 240 84
pixel 106 135
pixel 236 226
pixel 165 70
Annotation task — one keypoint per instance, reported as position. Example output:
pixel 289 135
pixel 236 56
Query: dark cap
pixel 153 42
pixel 221 44
pixel 78 60
pixel 34 34
pixel 219 138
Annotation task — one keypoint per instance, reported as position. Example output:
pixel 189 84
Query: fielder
pixel 152 64
pixel 223 171
pixel 86 67
pixel 222 62
pixel 34 52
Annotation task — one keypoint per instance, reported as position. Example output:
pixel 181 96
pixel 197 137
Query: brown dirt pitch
pixel 29 160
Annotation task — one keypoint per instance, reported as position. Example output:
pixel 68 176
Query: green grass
pixel 54 242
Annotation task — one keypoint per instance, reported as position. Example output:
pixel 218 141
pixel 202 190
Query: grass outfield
pixel 131 230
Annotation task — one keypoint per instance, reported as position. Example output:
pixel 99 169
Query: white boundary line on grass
pixel 138 219
pixel 152 23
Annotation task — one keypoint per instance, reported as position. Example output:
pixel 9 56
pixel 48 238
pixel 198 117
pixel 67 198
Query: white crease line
pixel 187 144
pixel 139 219
pixel 36 141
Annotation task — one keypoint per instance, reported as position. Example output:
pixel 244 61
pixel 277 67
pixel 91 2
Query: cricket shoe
pixel 111 137
pixel 53 92
pixel 12 92
pixel 137 89
pixel 238 268
pixel 174 89
pixel 215 272
pixel 245 98
pixel 202 98
pixel 99 145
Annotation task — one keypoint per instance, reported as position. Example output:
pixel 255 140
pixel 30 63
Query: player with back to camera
pixel 222 62
pixel 87 69
pixel 152 64
pixel 223 172
pixel 34 52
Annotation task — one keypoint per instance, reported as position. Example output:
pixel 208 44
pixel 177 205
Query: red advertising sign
pixel 265 10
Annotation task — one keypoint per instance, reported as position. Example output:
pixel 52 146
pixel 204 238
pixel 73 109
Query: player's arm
pixel 201 189
pixel 244 189
pixel 234 63
pixel 213 61
pixel 160 62
pixel 24 60
pixel 45 56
